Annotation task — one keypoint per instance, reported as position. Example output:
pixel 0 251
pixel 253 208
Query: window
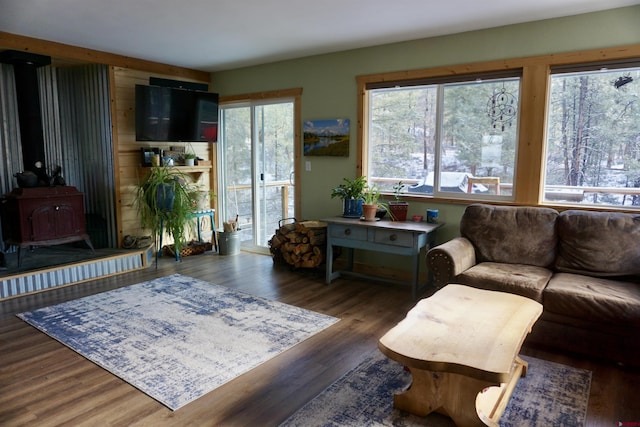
pixel 453 137
pixel 571 132
pixel 258 174
pixel 593 136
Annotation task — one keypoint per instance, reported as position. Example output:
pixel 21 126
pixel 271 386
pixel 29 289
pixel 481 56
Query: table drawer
pixel 394 238
pixel 348 232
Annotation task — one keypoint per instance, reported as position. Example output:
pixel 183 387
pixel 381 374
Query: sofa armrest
pixel 449 259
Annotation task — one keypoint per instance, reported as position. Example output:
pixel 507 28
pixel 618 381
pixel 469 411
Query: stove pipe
pixel 26 77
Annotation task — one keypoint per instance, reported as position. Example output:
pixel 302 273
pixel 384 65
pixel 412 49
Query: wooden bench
pixel 461 346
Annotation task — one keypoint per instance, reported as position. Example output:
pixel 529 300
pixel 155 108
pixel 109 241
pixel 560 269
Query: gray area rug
pixel 550 395
pixel 176 338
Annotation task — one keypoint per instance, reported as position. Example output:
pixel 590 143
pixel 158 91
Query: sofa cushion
pixel 520 279
pixel 517 235
pixel 593 298
pixel 598 243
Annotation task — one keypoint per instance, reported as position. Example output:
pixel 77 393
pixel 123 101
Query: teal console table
pixel 197 215
pixel 393 237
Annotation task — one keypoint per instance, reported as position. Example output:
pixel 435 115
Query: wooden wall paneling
pixel 530 163
pixel 131 171
pixel 61 52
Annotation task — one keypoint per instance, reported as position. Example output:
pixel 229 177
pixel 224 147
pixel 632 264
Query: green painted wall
pixel 329 84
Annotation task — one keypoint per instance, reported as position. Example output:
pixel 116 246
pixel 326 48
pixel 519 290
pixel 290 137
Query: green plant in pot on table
pixel 165 200
pixel 351 192
pixel 398 208
pixel 371 204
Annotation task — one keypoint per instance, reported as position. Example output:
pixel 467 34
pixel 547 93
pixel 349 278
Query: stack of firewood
pixel 301 244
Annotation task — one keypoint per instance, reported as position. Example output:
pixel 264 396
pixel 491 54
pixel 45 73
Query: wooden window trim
pixel 534 93
pixel 296 95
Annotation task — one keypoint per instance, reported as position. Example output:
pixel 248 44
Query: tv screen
pixel 170 114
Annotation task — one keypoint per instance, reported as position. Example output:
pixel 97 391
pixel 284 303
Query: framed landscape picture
pixel 326 137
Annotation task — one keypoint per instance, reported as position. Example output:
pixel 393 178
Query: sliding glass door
pixel 256 155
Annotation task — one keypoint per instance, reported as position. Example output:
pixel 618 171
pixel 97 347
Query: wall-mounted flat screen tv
pixel 171 114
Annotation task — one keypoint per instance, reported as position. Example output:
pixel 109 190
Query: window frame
pixel 534 92
pixel 293 94
pixel 440 84
pixel 579 70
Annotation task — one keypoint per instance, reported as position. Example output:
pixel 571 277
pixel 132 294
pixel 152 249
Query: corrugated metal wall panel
pixel 76 117
pixel 86 153
pixel 37 281
pixel 10 147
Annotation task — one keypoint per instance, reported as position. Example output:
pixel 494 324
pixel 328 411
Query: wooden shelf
pixel 195 171
pixel 188 169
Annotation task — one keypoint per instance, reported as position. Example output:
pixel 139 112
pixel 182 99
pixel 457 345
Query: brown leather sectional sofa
pixel 583 266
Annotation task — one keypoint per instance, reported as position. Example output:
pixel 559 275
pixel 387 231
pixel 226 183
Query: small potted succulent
pixel 189 159
pixel 398 208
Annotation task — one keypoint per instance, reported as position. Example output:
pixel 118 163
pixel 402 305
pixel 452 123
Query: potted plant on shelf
pixel 351 192
pixel 397 207
pixel 189 159
pixel 165 201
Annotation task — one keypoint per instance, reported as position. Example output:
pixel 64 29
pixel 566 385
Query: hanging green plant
pixel 165 200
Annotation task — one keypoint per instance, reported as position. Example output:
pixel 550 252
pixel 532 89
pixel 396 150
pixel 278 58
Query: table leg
pixel 159 252
pixel 453 395
pixel 329 263
pixel 415 284
pixel 213 232
pixel 349 259
pixel 493 401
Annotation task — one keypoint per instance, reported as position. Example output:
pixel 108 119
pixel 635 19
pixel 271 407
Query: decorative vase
pixel 352 208
pixel 398 210
pixel 369 212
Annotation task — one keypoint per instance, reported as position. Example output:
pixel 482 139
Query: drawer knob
pixel 57 208
pixel 347 231
pixel 393 237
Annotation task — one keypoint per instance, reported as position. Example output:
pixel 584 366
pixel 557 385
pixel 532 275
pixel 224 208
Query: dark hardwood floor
pixel 43 383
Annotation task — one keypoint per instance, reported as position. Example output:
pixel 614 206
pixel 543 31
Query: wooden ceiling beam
pixel 64 53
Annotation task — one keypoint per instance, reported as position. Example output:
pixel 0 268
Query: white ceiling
pixel 214 35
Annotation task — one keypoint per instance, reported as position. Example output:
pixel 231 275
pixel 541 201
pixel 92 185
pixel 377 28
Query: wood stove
pixel 43 216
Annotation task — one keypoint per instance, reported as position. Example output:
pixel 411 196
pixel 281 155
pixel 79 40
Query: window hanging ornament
pixel 501 108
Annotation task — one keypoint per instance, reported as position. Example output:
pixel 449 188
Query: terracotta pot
pixel 369 212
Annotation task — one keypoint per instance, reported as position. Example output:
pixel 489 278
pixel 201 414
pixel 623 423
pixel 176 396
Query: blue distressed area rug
pixel 176 338
pixel 550 395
